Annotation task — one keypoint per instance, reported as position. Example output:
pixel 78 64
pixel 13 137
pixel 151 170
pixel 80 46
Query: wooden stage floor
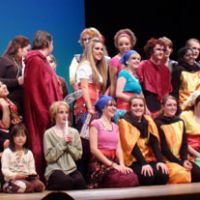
pixel 165 192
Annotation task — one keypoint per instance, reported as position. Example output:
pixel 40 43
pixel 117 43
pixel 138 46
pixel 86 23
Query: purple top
pixel 107 139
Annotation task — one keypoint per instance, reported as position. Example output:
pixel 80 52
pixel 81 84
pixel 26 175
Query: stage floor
pixel 165 192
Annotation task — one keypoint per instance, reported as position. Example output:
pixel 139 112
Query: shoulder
pixel 95 123
pixel 73 130
pixel 123 73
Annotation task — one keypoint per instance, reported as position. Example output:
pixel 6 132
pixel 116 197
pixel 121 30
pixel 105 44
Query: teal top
pixel 132 83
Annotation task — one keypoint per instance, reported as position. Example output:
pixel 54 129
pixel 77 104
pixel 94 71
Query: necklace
pixel 106 124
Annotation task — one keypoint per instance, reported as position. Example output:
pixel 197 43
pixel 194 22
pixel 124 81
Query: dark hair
pixel 15 130
pixel 57 196
pixel 41 40
pixel 181 53
pixel 19 41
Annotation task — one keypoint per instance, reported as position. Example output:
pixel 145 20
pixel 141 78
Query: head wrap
pixel 127 55
pixel 191 99
pixel 101 103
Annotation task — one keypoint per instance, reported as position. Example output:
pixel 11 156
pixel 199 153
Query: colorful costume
pixel 174 148
pixel 140 146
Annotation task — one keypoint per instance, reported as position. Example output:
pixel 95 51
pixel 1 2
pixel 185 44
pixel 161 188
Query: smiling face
pixel 109 109
pixel 189 57
pixel 98 51
pixel 137 108
pixel 124 44
pixel 134 61
pixel 158 52
pixel 170 107
pixel 19 139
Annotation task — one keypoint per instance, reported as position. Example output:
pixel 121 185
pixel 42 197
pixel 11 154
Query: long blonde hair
pixel 98 68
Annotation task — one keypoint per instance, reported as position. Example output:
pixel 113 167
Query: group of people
pixel 136 123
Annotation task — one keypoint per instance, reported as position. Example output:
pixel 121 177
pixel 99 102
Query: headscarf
pixel 101 103
pixel 127 55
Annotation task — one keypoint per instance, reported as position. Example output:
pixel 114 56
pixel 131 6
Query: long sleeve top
pixel 59 154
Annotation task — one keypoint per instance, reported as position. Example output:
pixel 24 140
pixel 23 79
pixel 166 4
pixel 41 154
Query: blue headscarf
pixel 127 55
pixel 101 103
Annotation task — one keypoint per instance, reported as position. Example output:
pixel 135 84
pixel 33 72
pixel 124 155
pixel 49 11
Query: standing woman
pixel 12 66
pixel 140 144
pixel 174 144
pixel 41 89
pixel 62 148
pixel 127 82
pixel 107 167
pixel 91 77
pixel 185 76
pixel 124 40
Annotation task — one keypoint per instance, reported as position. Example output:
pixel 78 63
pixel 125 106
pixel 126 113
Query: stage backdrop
pixel 64 19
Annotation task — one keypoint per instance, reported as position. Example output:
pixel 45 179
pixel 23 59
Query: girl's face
pixel 20 139
pixel 137 108
pixel 110 108
pixel 22 52
pixel 189 57
pixel 170 108
pixel 3 90
pixel 62 115
pixel 98 51
pixel 51 62
pixel 134 61
pixel 123 44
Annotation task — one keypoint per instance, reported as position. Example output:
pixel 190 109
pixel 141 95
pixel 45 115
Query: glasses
pixel 111 104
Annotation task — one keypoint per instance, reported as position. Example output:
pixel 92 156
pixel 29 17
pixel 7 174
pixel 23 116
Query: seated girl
pixel 62 148
pixel 18 165
pixel 174 144
pixel 140 143
pixel 107 169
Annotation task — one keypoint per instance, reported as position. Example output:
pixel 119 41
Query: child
pixel 18 165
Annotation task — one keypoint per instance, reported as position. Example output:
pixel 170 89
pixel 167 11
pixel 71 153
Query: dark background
pixel 176 19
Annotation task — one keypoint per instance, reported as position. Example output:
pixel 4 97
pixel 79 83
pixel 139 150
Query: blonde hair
pixel 99 68
pixel 54 109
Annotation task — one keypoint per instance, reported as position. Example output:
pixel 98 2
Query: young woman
pixel 62 148
pixel 107 167
pixel 18 165
pixel 140 143
pixel 174 144
pixel 12 67
pixel 124 40
pixel 127 82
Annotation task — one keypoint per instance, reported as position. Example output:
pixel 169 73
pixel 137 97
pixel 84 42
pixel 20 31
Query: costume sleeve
pixel 176 73
pixel 165 150
pixel 10 82
pixel 5 161
pixel 138 155
pixel 75 149
pixel 184 147
pixel 156 149
pixel 53 150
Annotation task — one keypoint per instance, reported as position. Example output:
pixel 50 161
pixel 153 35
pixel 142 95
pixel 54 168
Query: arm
pixel 113 74
pixel 138 155
pixel 165 150
pixel 53 150
pixel 75 148
pixel 86 95
pixel 31 163
pixel 5 121
pixel 184 147
pixel 121 82
pixel 193 152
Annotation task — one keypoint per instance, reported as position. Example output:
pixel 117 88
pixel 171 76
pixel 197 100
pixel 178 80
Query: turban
pixel 101 103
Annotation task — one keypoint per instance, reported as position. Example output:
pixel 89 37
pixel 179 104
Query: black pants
pixel 60 181
pixel 157 179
